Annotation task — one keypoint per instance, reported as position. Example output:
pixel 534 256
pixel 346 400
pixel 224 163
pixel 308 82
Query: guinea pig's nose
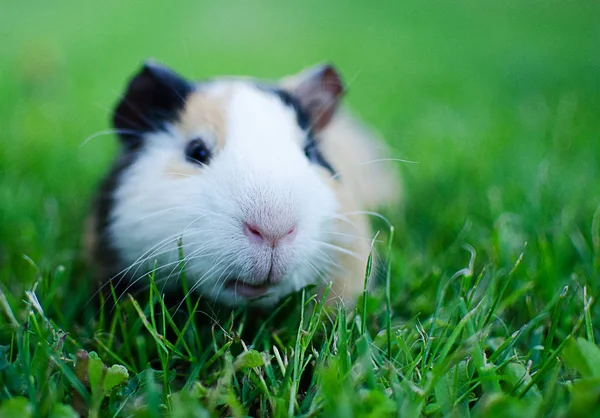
pixel 270 234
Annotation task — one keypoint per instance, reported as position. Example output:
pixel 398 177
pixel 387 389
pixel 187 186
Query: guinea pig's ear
pixel 154 96
pixel 318 91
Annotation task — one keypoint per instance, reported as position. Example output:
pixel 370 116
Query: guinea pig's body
pixel 257 190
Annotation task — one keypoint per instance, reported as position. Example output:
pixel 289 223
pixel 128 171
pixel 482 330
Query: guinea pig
pixel 256 189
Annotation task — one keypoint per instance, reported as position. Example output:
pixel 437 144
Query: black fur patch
pixel 311 148
pixel 302 117
pixel 106 256
pixel 313 153
pixel 154 97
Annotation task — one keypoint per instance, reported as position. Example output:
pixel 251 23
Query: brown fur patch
pixel 205 112
pixel 362 184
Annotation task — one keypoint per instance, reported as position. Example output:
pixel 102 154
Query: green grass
pixel 495 263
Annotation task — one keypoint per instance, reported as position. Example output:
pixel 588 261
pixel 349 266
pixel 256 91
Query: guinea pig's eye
pixel 196 151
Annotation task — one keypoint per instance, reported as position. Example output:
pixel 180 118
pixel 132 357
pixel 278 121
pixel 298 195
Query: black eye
pixel 196 151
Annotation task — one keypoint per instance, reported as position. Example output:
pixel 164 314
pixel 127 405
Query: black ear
pixel 155 95
pixel 318 91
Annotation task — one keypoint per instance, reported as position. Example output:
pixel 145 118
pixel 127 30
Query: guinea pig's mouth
pixel 247 290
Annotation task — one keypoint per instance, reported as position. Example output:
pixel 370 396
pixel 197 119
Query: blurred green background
pixel 498 103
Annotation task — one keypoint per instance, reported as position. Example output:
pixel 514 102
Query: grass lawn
pixel 495 261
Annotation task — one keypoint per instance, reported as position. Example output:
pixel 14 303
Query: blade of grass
pixel 388 294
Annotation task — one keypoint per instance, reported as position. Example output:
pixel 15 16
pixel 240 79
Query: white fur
pixel 261 176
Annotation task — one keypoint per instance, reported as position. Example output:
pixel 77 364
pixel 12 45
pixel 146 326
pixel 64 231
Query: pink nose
pixel 270 235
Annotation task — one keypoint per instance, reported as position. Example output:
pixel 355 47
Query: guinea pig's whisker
pixel 140 114
pixel 148 273
pixel 324 255
pixel 369 213
pixel 327 259
pixel 345 235
pixel 160 251
pixel 194 255
pixel 337 248
pixel 227 258
pixel 343 219
pixel 173 173
pixel 180 234
pixel 379 160
pixel 140 289
pixel 341 270
pixel 126 270
pixel 152 253
pixel 160 212
pixel 200 281
pixel 183 99
pixel 321 273
pixel 213 319
pixel 186 232
pixel 124 119
pixel 197 254
pixel 133 283
pixel 108 132
pixel 165 281
pixel 223 281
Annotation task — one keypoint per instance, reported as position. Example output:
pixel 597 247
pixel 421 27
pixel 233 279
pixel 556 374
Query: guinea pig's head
pixel 225 178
